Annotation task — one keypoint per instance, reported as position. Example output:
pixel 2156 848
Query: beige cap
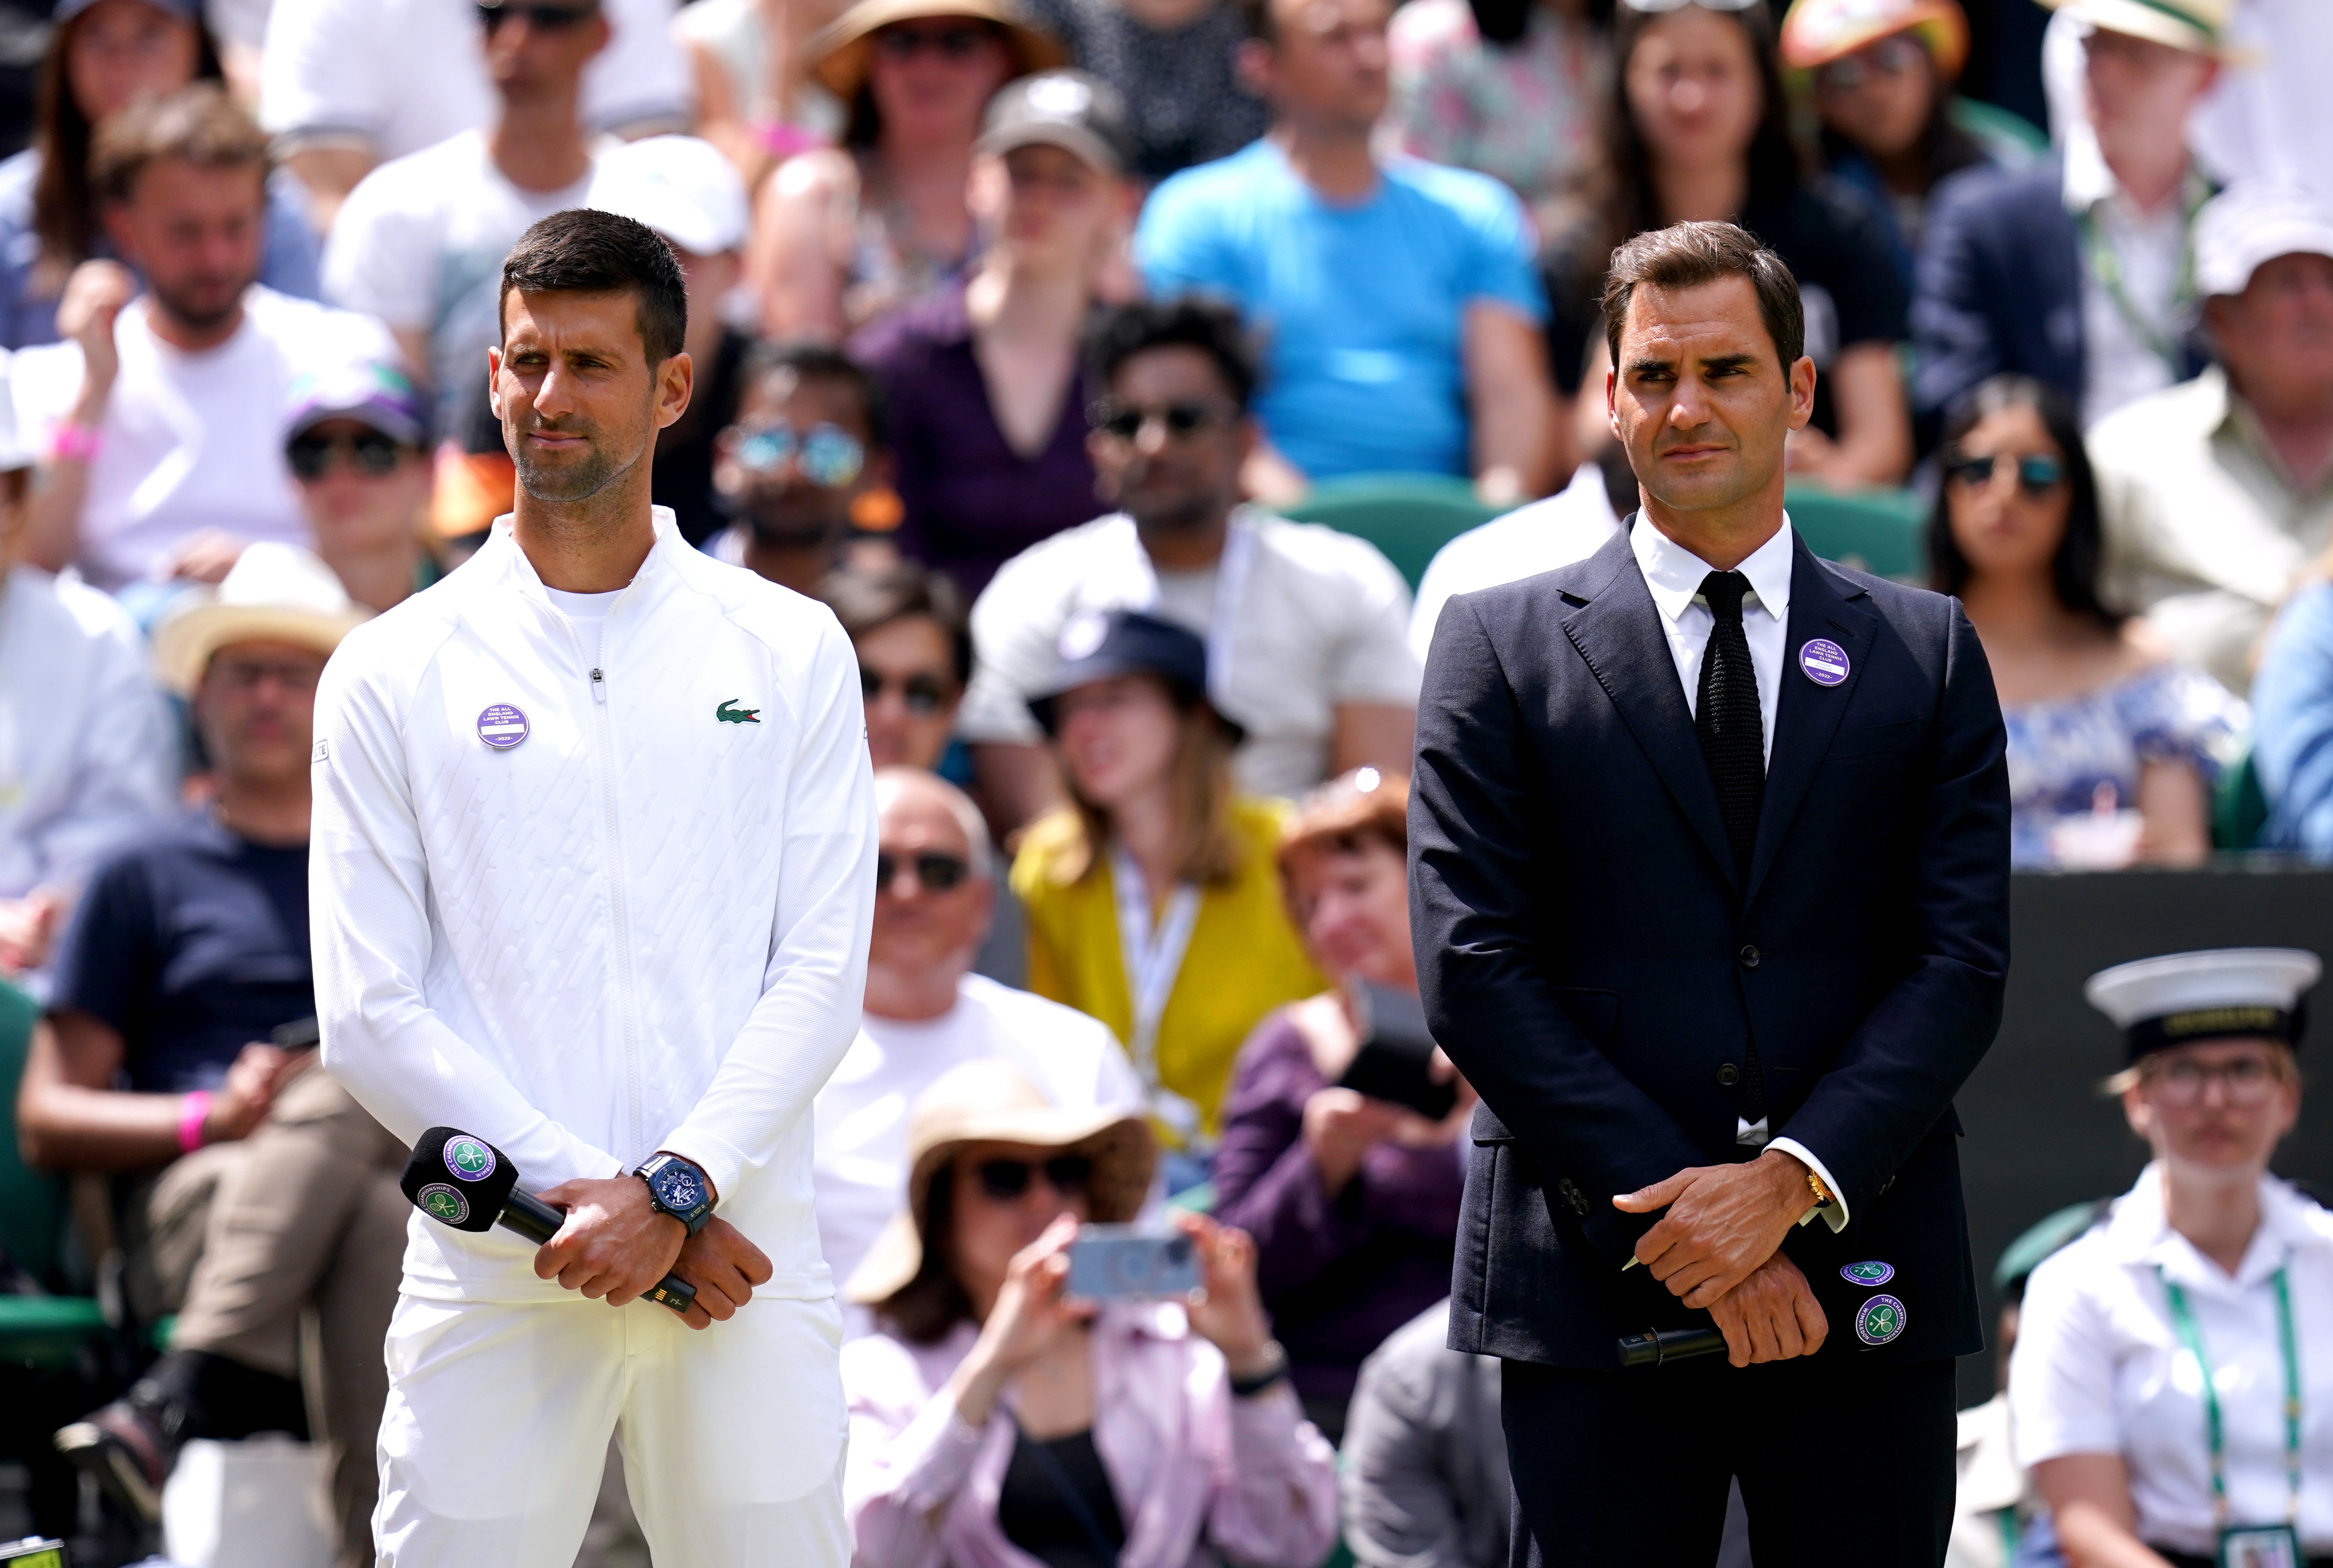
pixel 842 50
pixel 989 1103
pixel 274 593
pixel 2198 26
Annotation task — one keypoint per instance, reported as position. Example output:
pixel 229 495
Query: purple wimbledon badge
pixel 503 726
pixel 1823 662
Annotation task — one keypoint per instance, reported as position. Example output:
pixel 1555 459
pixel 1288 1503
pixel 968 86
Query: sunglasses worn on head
pixel 368 450
pixel 936 872
pixel 542 18
pixel 1007 1179
pixel 956 43
pixel 2037 474
pixel 826 455
pixel 924 694
pixel 1124 421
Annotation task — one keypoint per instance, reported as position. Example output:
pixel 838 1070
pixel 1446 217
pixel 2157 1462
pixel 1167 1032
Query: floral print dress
pixel 2079 756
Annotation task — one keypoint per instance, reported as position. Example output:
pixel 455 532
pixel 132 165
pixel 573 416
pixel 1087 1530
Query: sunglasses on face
pixel 924 694
pixel 2037 474
pixel 1657 6
pixel 1888 57
pixel 826 455
pixel 243 675
pixel 1125 422
pixel 953 44
pixel 369 451
pixel 936 872
pixel 1005 1181
pixel 542 18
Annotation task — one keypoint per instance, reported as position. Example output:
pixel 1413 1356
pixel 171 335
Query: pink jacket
pixel 1193 1467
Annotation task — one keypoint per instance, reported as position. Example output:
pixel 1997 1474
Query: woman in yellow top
pixel 1152 898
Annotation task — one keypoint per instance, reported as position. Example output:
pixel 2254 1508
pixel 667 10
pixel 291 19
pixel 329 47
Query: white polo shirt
pixel 2099 1368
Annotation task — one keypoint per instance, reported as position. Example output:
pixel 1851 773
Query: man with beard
pixel 808 443
pixel 161 415
pixel 1307 628
pixel 595 849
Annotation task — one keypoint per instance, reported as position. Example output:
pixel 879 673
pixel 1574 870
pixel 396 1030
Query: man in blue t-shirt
pixel 1396 297
pixel 175 1056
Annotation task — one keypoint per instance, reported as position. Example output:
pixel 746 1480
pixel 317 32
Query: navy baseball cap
pixel 1102 646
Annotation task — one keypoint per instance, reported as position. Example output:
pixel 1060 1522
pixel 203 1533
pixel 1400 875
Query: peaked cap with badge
pixel 2184 998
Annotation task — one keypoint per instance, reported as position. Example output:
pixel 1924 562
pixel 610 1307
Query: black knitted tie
pixel 1733 744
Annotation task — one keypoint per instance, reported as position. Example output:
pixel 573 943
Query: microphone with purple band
pixel 469 1184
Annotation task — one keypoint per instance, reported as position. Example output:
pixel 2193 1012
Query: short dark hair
pixel 820 362
pixel 199 123
pixel 2075 569
pixel 1186 320
pixel 867 600
pixel 1688 255
pixel 584 251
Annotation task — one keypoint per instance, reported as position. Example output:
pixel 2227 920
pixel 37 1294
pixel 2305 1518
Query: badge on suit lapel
pixel 1822 661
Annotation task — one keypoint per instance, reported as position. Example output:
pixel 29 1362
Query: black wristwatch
pixel 677 1187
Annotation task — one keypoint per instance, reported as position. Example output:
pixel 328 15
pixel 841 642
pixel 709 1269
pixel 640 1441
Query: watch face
pixel 678 1188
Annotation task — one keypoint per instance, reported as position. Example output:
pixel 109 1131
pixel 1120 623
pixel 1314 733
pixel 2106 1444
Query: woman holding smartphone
pixel 994 1414
pixel 1353 1200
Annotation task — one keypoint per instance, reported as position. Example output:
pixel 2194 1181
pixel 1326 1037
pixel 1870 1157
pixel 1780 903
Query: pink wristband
pixel 77 443
pixel 193 1110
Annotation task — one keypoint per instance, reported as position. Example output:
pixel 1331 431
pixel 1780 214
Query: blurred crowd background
pixel 1135 380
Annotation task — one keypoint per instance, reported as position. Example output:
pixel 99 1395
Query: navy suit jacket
pixel 1999 287
pixel 1592 962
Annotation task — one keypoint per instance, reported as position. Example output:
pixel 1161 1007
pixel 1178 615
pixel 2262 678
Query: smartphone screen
pixel 1120 1261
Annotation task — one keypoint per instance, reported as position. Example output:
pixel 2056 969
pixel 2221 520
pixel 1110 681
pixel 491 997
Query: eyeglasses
pixel 936 871
pixel 369 451
pixel 2247 1080
pixel 542 18
pixel 1005 1181
pixel 951 44
pixel 1124 421
pixel 923 693
pixel 826 455
pixel 242 675
pixel 1891 56
pixel 2037 473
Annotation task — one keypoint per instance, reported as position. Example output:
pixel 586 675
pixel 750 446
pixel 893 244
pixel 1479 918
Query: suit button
pixel 1728 1075
pixel 1749 957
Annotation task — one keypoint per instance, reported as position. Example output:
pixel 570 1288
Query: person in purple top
pixel 987 396
pixel 1353 1202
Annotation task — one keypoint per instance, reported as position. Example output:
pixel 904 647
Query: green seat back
pixel 1408 516
pixel 1873 530
pixel 2010 138
pixel 2239 805
pixel 32 1202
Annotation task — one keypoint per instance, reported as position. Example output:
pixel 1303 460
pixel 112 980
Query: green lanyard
pixel 2182 1319
pixel 2105 271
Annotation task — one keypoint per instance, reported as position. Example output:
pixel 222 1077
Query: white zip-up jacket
pixel 642 926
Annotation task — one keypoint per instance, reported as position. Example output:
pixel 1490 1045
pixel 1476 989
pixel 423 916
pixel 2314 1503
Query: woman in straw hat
pixel 997 1418
pixel 841 235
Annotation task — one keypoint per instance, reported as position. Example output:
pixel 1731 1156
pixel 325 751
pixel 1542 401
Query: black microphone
pixel 467 1184
pixel 1659 1347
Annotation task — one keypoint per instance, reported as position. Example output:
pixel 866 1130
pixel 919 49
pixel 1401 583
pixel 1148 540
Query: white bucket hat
pixel 274 593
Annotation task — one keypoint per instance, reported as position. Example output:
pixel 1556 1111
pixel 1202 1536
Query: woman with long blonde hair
pixel 1153 900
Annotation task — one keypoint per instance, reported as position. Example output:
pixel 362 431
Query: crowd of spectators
pixel 1016 327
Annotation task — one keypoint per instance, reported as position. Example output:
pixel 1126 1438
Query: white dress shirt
pixel 1674 574
pixel 2099 1368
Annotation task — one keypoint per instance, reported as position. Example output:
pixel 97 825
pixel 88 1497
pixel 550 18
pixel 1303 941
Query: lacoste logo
pixel 729 712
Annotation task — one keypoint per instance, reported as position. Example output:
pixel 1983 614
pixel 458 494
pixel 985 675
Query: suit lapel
pixel 1805 714
pixel 1619 633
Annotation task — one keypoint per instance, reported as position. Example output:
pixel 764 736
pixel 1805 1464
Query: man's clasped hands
pixel 1719 1248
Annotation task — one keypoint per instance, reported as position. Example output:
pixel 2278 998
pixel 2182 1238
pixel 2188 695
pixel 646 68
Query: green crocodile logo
pixel 729 712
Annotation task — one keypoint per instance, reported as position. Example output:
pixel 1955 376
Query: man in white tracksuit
pixel 592 872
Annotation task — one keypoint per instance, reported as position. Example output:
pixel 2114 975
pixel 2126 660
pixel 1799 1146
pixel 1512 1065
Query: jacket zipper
pixel 618 917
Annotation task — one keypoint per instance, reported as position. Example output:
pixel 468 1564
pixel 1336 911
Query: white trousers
pixel 499 1417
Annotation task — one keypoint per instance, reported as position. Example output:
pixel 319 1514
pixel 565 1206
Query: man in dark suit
pixel 1709 850
pixel 2077 269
